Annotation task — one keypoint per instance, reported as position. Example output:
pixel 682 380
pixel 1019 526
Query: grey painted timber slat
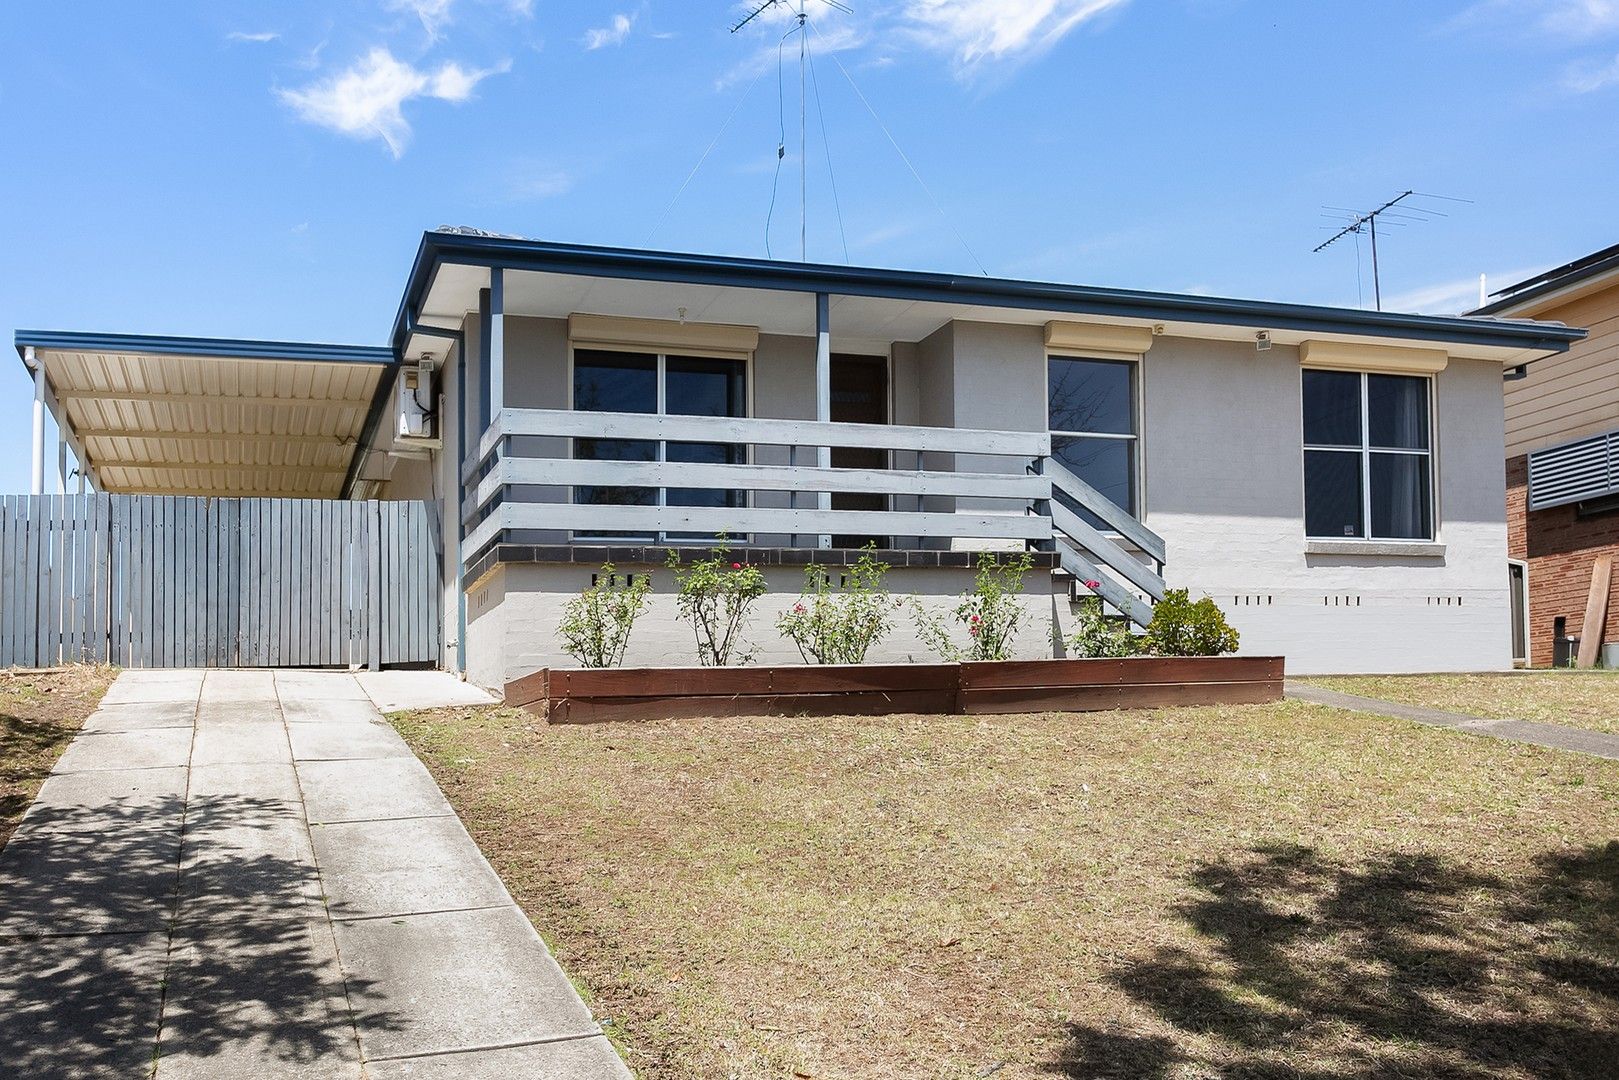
pixel 1110 554
pixel 8 582
pixel 710 429
pixel 50 585
pixel 569 472
pixel 1122 599
pixel 374 590
pixel 29 644
pixel 1104 508
pixel 739 521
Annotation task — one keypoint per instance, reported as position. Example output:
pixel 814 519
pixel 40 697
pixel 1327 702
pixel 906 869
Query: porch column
pixel 495 383
pixel 61 462
pixel 37 476
pixel 823 393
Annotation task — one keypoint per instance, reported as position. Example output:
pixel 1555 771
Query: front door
pixel 859 396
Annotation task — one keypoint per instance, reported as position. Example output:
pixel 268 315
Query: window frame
pixel 1365 451
pixel 1138 394
pixel 662 353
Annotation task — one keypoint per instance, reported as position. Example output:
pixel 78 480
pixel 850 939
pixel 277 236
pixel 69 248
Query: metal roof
pixel 212 416
pixel 466 248
pixel 1553 280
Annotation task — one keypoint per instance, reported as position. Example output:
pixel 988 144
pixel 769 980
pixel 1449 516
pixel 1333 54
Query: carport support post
pixel 823 394
pixel 37 476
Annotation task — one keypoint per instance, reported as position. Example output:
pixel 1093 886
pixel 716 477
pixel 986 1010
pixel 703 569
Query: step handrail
pixel 1103 507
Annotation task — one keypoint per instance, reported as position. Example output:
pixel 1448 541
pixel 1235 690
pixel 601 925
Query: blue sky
pixel 266 169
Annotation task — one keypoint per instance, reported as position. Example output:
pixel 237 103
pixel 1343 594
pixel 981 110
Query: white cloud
pixel 432 13
pixel 1584 78
pixel 612 34
pixel 1576 20
pixel 258 38
pixel 1451 297
pixel 975 31
pixel 539 184
pixel 368 99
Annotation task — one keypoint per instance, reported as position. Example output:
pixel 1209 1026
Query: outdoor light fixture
pixel 1262 340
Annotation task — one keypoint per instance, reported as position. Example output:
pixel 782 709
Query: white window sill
pixel 1409 549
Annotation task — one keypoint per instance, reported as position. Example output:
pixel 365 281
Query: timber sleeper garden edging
pixel 586 695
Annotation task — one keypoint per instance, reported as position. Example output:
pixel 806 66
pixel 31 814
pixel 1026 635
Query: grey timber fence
pixel 152 581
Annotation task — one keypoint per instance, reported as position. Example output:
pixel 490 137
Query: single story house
pixel 1562 460
pixel 1331 477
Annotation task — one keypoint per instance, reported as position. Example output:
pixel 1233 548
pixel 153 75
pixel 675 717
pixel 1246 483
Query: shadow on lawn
pixel 87 960
pixel 1403 965
pixel 26 747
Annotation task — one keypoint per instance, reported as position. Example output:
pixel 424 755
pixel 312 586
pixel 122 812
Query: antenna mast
pixel 1408 214
pixel 801 16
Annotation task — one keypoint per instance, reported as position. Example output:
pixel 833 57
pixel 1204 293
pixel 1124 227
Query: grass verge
pixel 1261 891
pixel 40 711
pixel 1582 699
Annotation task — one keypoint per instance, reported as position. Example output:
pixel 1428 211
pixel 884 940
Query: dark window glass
pixel 1331 408
pixel 1397 411
pixel 614 382
pixel 1332 498
pixel 696 386
pixel 1108 465
pixel 1402 503
pixel 700 386
pixel 1091 395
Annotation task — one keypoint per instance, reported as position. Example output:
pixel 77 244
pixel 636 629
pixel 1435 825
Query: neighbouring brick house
pixel 1562 445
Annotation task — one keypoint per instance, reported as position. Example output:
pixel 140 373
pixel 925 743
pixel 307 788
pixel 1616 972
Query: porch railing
pixel 1029 498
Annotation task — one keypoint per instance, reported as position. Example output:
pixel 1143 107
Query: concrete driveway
pixel 247 873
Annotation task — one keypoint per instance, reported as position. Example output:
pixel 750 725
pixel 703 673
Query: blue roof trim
pixel 546 257
pixel 163 345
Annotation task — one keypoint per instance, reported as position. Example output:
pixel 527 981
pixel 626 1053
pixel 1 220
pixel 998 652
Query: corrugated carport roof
pixel 212 416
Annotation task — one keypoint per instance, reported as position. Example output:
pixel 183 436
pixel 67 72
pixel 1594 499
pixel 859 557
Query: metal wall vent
pixel 1585 469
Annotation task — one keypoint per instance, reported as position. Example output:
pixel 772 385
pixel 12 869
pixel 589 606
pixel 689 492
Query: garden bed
pixel 587 695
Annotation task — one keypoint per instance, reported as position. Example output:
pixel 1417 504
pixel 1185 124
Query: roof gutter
pixel 229 348
pixel 725 271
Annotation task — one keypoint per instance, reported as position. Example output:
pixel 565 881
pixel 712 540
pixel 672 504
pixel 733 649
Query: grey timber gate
pixel 152 581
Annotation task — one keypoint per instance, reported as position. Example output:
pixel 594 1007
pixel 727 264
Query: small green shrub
pixel 990 612
pixel 839 626
pixel 1097 636
pixel 595 627
pixel 1180 627
pixel 715 596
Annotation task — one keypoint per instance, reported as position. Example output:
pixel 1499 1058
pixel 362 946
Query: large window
pixel 1367 456
pixel 607 381
pixel 1092 413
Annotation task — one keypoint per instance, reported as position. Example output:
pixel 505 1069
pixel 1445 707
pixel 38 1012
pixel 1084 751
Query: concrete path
pixel 247 874
pixel 1555 736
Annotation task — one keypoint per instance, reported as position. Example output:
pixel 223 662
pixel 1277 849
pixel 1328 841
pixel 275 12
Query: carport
pixel 203 416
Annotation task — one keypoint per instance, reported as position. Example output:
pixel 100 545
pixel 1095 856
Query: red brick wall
pixel 1560 548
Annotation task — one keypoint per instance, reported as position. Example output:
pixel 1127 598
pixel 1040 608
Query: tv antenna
pixel 801 19
pixel 1398 213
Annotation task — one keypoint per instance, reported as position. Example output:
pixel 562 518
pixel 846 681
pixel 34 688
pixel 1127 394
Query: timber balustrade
pixel 1030 495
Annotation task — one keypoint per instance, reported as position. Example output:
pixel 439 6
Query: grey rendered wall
pixel 999 384
pixel 1224 486
pixel 783 388
pixel 536 377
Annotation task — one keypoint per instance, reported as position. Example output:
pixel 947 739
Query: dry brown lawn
pixel 1260 891
pixel 1582 699
pixel 39 713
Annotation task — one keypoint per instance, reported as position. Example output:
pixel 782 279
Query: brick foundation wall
pixel 1560 548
